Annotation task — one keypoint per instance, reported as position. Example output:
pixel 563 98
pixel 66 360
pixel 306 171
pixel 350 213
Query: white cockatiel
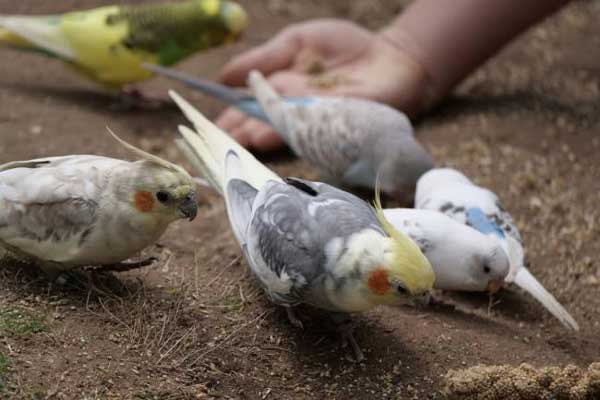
pixel 306 242
pixel 351 141
pixel 85 210
pixel 463 259
pixel 449 191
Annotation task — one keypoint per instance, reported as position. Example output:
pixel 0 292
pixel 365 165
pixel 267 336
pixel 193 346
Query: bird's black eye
pixel 487 269
pixel 163 196
pixel 401 289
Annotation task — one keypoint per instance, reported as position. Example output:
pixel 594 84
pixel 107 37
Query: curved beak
pixel 189 207
pixel 495 285
pixel 422 300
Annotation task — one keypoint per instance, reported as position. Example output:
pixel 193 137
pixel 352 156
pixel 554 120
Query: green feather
pixel 172 31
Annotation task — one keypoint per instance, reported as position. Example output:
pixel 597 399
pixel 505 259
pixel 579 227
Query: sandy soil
pixel 195 326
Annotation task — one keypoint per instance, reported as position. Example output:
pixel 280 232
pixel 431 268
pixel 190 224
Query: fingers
pixel 277 53
pixel 249 132
pixel 262 137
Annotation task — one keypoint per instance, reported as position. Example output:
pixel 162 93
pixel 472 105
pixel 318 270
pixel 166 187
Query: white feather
pixel 40 32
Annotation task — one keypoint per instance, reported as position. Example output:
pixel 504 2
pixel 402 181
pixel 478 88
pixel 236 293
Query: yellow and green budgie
pixel 110 44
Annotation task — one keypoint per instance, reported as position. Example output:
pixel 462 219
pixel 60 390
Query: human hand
pixel 324 58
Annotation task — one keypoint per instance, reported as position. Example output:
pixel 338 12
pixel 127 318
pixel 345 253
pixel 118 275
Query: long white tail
pixel 207 150
pixel 527 282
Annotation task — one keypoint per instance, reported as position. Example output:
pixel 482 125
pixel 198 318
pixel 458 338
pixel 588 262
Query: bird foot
pixel 122 267
pixel 293 318
pixel 132 99
pixel 346 331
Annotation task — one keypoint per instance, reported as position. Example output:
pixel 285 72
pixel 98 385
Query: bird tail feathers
pixel 42 33
pixel 207 148
pixel 526 281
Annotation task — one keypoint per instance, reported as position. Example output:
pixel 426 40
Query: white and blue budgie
pixel 351 141
pixel 462 258
pixel 449 191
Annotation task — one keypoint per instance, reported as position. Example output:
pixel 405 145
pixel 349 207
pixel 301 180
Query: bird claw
pixel 293 318
pixel 131 98
pixel 346 331
pixel 122 267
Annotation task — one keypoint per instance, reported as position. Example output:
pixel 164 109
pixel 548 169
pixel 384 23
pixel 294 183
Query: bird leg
pixel 122 267
pixel 132 98
pixel 293 318
pixel 345 328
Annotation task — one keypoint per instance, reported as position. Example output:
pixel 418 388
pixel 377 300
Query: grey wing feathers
pixel 240 197
pixel 40 222
pixel 45 162
pixel 293 223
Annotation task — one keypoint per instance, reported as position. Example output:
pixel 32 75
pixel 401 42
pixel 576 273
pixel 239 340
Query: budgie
pixel 306 242
pixel 351 141
pixel 84 210
pixel 452 193
pixel 109 44
pixel 463 259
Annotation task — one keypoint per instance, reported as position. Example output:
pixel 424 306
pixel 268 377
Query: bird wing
pixel 48 206
pixel 413 223
pixel 291 225
pixel 315 128
pixel 472 205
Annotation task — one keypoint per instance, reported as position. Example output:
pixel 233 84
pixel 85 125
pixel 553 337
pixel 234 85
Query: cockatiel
pixel 452 193
pixel 351 141
pixel 85 210
pixel 109 44
pixel 306 242
pixel 463 259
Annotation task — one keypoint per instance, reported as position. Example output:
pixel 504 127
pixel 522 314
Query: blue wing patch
pixel 478 220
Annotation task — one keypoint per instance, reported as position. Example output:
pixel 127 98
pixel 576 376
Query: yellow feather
pixel 97 55
pixel 8 38
pixel 211 7
pixel 408 262
pixel 86 41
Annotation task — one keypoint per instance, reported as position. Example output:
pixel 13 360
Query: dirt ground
pixel 195 326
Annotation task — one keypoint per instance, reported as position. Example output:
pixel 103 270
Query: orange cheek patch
pixel 378 281
pixel 144 201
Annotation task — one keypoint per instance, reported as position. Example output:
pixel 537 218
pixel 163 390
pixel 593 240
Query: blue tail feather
pixel 244 102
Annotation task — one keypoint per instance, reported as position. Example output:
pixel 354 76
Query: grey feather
pixel 291 225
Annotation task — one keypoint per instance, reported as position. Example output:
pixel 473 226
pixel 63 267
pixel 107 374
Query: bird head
pixel 487 268
pixel 157 188
pixel 405 273
pixel 228 19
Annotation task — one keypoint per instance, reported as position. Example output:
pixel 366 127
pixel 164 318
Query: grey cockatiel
pixel 351 141
pixel 85 210
pixel 306 242
pixel 463 259
pixel 449 191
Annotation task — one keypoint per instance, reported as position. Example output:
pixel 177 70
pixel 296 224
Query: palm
pixel 325 58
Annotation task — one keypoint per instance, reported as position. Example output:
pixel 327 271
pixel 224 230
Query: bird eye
pixel 162 196
pixel 401 289
pixel 486 269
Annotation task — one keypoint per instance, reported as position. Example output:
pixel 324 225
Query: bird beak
pixel 422 300
pixel 494 285
pixel 189 207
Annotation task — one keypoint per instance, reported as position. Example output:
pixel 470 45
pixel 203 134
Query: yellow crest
pixel 409 264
